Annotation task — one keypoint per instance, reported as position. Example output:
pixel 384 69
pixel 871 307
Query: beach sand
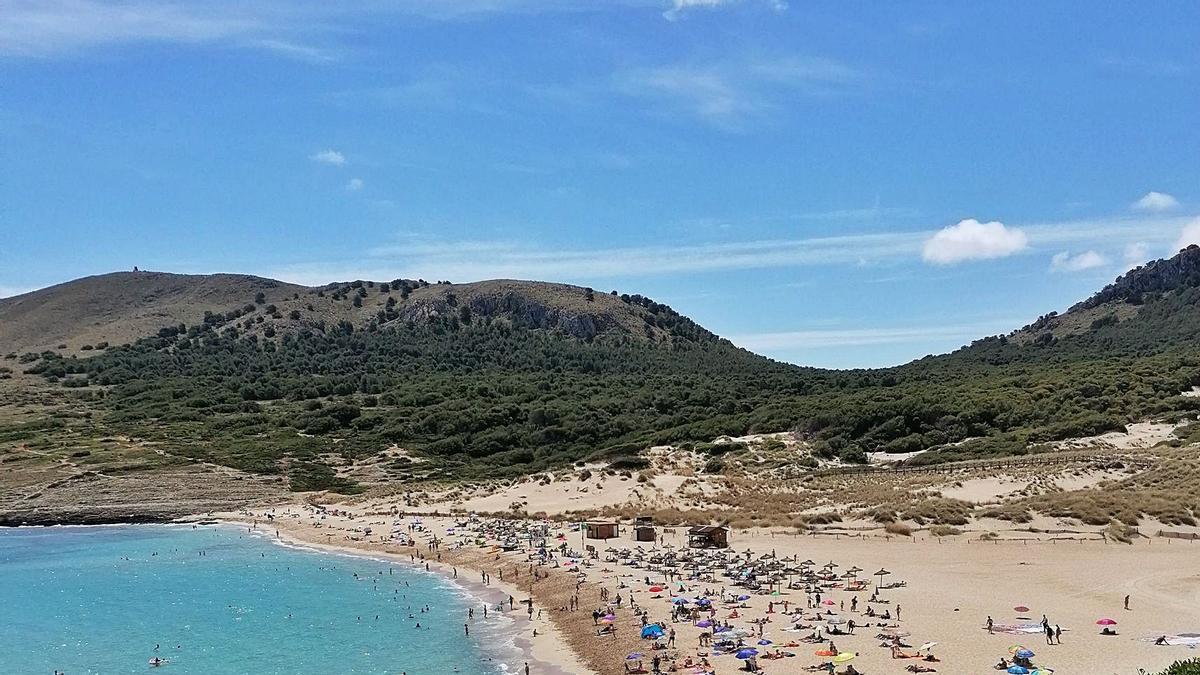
pixel 952 585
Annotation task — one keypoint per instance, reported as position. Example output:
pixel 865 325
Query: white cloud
pixel 1065 262
pixel 680 7
pixel 973 240
pixel 1189 235
pixel 354 185
pixel 329 157
pixel 1156 202
pixel 1136 254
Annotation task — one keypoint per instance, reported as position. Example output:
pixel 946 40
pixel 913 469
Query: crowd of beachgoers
pixel 623 606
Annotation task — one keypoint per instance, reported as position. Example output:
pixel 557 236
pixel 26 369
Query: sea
pixel 220 599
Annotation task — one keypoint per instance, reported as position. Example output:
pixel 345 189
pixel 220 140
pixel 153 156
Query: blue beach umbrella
pixel 680 601
pixel 652 631
pixel 746 653
pixel 1018 670
pixel 1024 654
pixel 743 597
pixel 764 641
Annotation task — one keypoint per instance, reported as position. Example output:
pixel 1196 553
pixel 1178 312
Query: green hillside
pixel 486 382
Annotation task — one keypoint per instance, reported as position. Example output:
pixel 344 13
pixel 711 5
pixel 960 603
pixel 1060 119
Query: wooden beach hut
pixel 708 536
pixel 602 529
pixel 643 529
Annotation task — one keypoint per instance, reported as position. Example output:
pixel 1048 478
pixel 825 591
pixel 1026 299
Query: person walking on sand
pixel 1127 603
pixel 1057 634
pixel 989 625
pixel 526 668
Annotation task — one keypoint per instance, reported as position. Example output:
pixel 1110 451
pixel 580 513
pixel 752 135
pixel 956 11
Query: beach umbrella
pixel 764 641
pixel 1023 654
pixel 607 619
pixel 746 654
pixel 656 589
pixel 881 574
pixel 652 631
pixel 1018 670
pixel 844 657
pixel 680 601
pixel 705 623
pixel 1106 622
pixel 743 597
pixel 927 645
pixel 634 656
pixel 1020 608
pixel 828 602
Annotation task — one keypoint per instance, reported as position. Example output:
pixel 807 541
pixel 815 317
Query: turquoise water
pixel 219 600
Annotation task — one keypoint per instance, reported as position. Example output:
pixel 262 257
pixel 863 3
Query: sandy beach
pixel 951 585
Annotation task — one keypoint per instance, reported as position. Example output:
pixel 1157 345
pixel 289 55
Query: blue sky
pixel 829 183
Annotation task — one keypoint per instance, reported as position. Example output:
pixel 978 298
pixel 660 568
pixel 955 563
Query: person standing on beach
pixel 1057 634
pixel 989 625
pixel 526 668
pixel 1127 603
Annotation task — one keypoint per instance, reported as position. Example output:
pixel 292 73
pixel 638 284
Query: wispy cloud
pixel 840 337
pixel 1138 65
pixel 470 260
pixel 56 28
pixel 354 185
pixel 10 291
pixel 45 28
pixel 726 93
pixel 679 8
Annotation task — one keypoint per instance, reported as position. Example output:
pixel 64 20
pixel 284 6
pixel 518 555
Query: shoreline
pixel 540 653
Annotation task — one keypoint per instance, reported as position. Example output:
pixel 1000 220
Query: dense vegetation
pixel 483 395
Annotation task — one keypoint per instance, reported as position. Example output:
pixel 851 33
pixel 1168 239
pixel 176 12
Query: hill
pixel 121 307
pixel 118 308
pixel 368 382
